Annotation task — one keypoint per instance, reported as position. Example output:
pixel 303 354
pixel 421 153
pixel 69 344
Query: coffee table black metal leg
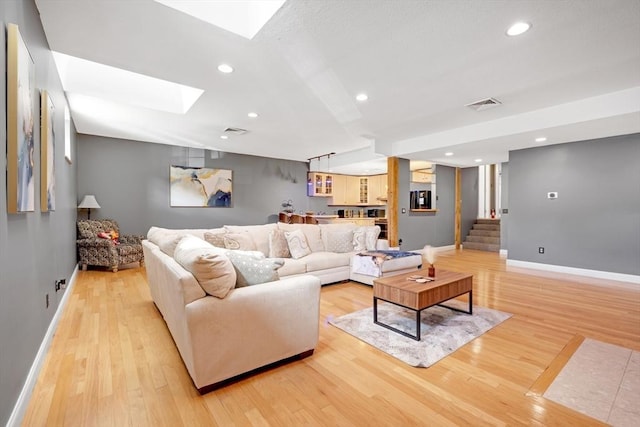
pixel 384 325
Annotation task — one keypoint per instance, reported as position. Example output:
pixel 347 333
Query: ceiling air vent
pixel 484 104
pixel 235 131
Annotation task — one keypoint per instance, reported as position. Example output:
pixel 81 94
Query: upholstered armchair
pixel 100 244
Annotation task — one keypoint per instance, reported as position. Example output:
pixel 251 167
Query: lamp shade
pixel 89 202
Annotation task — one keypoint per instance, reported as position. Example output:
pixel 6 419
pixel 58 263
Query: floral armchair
pixel 100 244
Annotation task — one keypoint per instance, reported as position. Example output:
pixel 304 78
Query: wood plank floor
pixel 112 361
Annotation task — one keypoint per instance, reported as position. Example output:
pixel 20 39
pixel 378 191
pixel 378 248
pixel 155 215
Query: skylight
pixel 122 86
pixel 242 17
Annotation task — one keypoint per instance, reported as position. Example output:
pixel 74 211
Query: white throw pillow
pixel 239 241
pixel 340 241
pixel 297 243
pixel 371 237
pixel 211 268
pixel 168 242
pixel 359 239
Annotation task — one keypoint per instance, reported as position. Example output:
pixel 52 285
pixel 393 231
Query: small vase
pixel 431 271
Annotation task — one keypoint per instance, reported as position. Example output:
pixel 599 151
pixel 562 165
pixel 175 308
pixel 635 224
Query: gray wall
pixel 417 229
pixel 469 190
pixel 131 183
pixel 35 248
pixel 595 222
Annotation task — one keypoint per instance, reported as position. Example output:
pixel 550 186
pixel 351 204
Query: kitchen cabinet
pixel 319 184
pixel 424 176
pixel 350 190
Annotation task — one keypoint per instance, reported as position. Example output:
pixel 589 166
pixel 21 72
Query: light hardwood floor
pixel 113 363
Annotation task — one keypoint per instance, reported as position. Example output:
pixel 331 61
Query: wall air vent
pixel 235 131
pixel 484 104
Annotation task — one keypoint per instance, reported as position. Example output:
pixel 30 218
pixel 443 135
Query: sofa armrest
pixel 252 327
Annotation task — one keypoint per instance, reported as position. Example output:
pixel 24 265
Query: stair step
pixel 492 226
pixel 495 240
pixel 482 247
pixel 488 233
pixel 487 221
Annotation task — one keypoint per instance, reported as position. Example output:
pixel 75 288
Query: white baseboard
pixel 20 408
pixel 504 252
pixel 607 275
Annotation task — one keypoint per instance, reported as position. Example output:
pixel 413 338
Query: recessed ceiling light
pixel 477 160
pixel 518 28
pixel 362 97
pixel 541 139
pixel 252 115
pixel 225 68
pixel 224 137
pixel 448 153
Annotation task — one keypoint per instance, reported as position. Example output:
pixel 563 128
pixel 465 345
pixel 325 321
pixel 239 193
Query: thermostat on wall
pixel 552 195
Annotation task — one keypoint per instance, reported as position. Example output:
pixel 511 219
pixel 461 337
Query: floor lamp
pixel 89 202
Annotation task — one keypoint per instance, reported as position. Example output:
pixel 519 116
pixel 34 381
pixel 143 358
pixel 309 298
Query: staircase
pixel 484 236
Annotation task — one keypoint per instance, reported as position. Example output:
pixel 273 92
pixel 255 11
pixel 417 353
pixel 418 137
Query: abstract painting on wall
pixel 47 154
pixel 200 187
pixel 20 121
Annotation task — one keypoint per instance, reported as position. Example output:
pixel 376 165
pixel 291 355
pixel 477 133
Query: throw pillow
pixel 359 239
pixel 371 237
pixel 168 242
pixel 210 267
pixel 340 241
pixel 253 271
pixel 216 239
pixel 297 243
pixel 278 246
pixel 240 241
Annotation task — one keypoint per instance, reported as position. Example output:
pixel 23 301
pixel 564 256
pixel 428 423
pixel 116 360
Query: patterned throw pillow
pixel 359 239
pixel 241 241
pixel 278 246
pixel 297 243
pixel 253 271
pixel 371 237
pixel 340 241
pixel 216 239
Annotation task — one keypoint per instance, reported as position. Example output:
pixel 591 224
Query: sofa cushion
pixel 278 246
pixel 167 242
pixel 208 264
pixel 292 266
pixel 324 260
pixel 340 241
pixel 311 232
pixel 215 238
pixel 259 234
pixel 239 241
pixel 297 243
pixel 325 229
pixel 253 271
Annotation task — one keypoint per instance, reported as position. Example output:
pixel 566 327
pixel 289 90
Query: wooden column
pixel 392 201
pixel 458 219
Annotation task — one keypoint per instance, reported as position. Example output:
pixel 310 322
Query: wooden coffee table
pixel 402 291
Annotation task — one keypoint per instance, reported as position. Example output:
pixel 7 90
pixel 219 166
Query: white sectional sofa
pixel 222 332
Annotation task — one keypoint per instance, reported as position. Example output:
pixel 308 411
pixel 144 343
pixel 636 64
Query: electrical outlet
pixel 541 250
pixel 46 301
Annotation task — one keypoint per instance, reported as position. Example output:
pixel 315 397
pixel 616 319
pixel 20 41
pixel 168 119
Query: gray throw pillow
pixel 251 270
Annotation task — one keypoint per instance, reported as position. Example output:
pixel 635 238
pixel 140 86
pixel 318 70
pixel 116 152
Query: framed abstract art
pixel 200 187
pixel 20 124
pixel 47 154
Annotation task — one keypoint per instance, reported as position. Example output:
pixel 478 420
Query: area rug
pixel 602 381
pixel 443 331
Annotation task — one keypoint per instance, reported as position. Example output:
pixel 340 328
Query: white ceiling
pixel 574 76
